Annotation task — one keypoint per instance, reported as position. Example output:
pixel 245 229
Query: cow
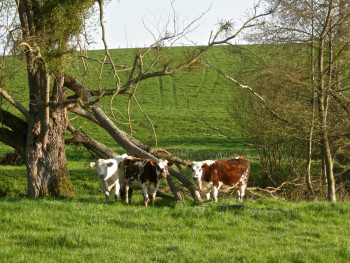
pixel 225 174
pixel 110 175
pixel 144 174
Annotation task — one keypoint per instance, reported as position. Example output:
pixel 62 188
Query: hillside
pixel 166 101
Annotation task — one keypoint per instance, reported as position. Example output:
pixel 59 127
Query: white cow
pixel 109 174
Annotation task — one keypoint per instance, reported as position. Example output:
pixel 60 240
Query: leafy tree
pixel 39 30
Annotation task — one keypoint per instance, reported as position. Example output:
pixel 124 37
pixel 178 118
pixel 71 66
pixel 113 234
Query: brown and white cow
pixel 225 174
pixel 144 174
pixel 109 174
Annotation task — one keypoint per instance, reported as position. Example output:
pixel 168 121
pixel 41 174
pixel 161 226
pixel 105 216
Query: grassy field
pixel 84 229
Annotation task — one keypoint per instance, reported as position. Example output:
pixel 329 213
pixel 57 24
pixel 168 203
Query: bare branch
pixel 83 113
pixel 91 144
pixel 200 117
pixel 100 2
pixel 245 25
pixel 259 97
pixel 16 104
pixel 148 118
pixel 122 67
pixel 10 32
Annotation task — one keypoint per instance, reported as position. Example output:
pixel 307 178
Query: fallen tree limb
pixel 120 136
pixel 82 137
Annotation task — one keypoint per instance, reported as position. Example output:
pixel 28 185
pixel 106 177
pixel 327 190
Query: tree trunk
pixel 47 171
pixel 323 91
pixel 330 176
pixel 313 109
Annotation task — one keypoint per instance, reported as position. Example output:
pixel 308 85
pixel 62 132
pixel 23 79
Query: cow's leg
pixel 153 197
pixel 116 191
pixel 238 189
pixel 208 195
pixel 215 193
pixel 145 194
pixel 126 190
pixel 105 190
pixel 107 196
pixel 242 190
pixel 130 194
pixel 122 193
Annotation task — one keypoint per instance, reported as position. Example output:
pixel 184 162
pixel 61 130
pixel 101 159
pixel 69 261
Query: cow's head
pixel 196 170
pixel 162 167
pixel 105 168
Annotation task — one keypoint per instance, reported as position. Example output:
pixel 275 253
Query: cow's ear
pixel 188 166
pixel 92 164
pixel 170 164
pixel 152 162
pixel 110 164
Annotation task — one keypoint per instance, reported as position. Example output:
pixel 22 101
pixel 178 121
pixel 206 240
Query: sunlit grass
pixel 86 229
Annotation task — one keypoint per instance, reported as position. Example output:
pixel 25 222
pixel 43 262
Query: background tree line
pixel 298 118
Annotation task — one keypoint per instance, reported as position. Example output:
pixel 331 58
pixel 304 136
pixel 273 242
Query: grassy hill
pixel 166 101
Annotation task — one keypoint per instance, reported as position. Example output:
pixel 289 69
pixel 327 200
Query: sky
pixel 128 23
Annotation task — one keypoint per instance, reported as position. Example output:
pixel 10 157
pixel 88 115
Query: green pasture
pixel 167 101
pixel 85 229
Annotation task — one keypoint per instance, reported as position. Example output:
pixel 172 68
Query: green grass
pixel 85 229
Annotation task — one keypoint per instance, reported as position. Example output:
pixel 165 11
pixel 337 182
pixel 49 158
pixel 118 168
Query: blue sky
pixel 128 22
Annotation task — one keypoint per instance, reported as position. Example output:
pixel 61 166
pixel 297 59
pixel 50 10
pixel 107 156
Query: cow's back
pixel 131 170
pixel 227 172
pixel 141 170
pixel 149 172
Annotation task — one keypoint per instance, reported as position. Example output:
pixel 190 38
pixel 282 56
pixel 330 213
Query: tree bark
pixel 47 171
